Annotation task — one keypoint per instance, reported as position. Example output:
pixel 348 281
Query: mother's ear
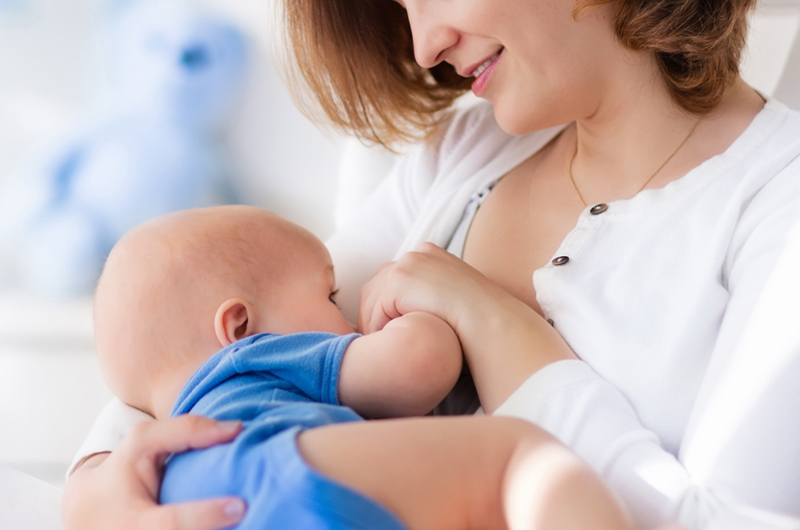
pixel 234 321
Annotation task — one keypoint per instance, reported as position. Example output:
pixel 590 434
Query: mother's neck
pixel 636 125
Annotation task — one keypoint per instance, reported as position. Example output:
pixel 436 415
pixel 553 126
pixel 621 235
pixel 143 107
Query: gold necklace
pixel 645 182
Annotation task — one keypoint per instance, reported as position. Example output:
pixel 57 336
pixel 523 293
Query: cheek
pixel 532 95
pixel 331 320
pixel 553 73
pixel 314 315
pixel 521 107
pixel 338 324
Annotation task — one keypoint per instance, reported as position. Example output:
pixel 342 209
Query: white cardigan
pixel 687 395
pixel 678 303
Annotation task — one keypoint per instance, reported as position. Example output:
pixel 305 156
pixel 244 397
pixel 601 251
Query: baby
pixel 229 312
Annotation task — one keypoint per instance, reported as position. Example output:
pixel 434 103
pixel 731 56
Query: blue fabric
pixel 277 385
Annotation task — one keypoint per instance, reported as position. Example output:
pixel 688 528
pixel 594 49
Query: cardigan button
pixel 597 209
pixel 561 260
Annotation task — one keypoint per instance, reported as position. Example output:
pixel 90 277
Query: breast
pixel 520 226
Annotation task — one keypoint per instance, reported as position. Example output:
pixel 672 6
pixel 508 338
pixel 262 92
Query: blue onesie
pixel 277 385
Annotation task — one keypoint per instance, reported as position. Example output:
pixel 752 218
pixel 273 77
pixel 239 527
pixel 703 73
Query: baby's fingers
pixel 213 514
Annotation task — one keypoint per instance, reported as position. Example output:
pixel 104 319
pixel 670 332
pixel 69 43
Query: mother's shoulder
pixel 778 120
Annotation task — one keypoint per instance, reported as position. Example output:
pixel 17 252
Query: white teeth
pixel 479 70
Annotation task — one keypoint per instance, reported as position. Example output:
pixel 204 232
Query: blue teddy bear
pixel 156 151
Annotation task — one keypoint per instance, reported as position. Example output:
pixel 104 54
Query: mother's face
pixel 551 69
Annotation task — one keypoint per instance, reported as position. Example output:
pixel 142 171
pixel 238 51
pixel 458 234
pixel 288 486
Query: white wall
pixel 772 33
pixel 288 163
pixel 48 72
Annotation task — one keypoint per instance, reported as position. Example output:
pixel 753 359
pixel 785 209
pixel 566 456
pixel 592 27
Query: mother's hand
pixel 504 340
pixel 120 489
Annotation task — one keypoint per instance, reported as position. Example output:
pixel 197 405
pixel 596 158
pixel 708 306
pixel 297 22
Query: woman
pixel 651 224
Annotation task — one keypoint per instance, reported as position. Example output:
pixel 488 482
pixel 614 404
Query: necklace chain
pixel 646 182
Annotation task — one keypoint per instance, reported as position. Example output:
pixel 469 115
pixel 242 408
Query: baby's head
pixel 182 286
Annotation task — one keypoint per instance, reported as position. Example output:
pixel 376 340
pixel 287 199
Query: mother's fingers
pixel 150 443
pixel 430 248
pixel 120 490
pixel 178 434
pixel 383 266
pixel 369 306
pixel 383 311
pixel 201 515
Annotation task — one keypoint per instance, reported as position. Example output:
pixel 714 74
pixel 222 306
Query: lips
pixel 479 70
pixel 483 72
pixel 473 70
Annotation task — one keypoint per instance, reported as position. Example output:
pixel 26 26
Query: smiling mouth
pixel 479 70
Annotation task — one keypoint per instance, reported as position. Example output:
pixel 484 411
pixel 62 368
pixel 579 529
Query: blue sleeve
pixel 244 468
pixel 310 362
pixel 223 470
pixel 280 490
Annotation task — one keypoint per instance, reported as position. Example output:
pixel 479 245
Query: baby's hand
pixel 405 369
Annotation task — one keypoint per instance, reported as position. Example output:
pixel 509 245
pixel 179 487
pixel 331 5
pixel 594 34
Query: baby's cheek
pixel 336 323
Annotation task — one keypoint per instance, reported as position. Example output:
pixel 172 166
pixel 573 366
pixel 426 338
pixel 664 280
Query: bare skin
pixel 484 473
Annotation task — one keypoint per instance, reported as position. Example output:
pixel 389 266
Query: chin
pixel 519 120
pixel 513 125
pixel 513 121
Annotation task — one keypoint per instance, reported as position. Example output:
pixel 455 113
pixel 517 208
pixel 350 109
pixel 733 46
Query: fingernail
pixel 234 509
pixel 232 425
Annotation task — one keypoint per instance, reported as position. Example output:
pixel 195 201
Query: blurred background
pixel 54 74
pixel 51 72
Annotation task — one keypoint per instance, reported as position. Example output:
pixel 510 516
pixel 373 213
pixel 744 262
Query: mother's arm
pixel 740 445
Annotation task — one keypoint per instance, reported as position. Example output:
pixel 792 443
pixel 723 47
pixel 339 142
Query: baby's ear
pixel 233 321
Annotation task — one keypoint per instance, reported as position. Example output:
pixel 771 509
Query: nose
pixel 433 38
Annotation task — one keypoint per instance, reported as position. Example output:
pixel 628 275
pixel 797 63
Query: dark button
pixel 550 321
pixel 597 209
pixel 561 260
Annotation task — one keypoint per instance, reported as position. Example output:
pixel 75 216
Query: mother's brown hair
pixel 354 60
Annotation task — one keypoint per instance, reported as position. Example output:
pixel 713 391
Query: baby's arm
pixel 405 369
